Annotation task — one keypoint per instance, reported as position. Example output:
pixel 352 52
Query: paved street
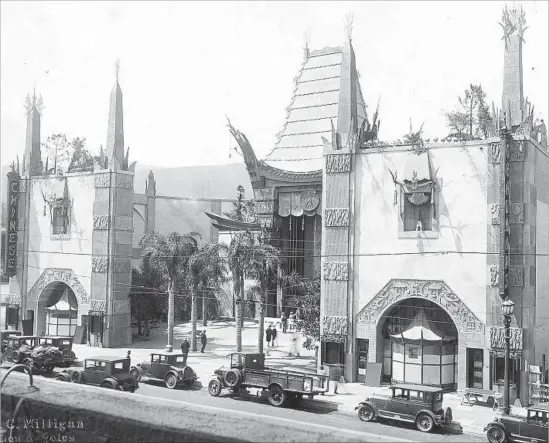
pixel 306 416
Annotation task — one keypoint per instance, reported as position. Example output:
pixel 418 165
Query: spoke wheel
pixel 29 363
pixel 496 435
pixel 425 423
pixel 170 381
pixel 214 388
pixel 134 372
pixel 277 396
pixel 107 385
pixel 366 413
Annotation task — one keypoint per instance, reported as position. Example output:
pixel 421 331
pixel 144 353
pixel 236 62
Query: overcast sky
pixel 184 66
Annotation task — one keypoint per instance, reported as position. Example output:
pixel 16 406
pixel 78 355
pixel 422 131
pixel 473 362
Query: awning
pixel 422 329
pixel 224 223
pixel 293 203
pixel 61 305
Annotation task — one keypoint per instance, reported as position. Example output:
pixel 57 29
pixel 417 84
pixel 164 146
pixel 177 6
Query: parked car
pixel 510 428
pixel 106 372
pixel 43 359
pixel 169 367
pixel 249 371
pixel 4 334
pixel 19 347
pixel 417 404
pixel 64 344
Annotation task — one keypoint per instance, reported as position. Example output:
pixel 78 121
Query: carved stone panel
pixel 334 325
pixel 494 275
pixel 516 276
pixel 518 151
pixel 497 338
pixel 121 307
pixel 435 291
pixel 264 207
pixel 123 223
pixel 495 152
pixel 336 217
pixel 338 163
pixel 66 276
pixel 266 222
pixel 100 222
pixel 102 180
pixel 100 264
pixel 517 213
pixel 122 265
pixel 98 306
pixel 264 194
pixel 23 185
pixel 336 271
pixel 13 301
pixel 124 181
pixel 494 213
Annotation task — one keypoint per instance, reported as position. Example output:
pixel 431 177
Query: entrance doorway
pixel 57 312
pixel 475 363
pixel 361 359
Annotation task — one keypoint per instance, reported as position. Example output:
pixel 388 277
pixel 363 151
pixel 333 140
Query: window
pixel 417 211
pixel 96 324
pixel 400 393
pixel 498 370
pixel 12 316
pixel 334 353
pixel 416 395
pixel 163 359
pixel 90 364
pixel 60 219
pixel 155 358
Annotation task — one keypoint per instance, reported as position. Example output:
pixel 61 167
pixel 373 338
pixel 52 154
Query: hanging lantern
pixel 418 198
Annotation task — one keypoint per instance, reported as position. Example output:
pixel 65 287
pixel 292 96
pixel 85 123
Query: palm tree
pixel 206 269
pixel 169 254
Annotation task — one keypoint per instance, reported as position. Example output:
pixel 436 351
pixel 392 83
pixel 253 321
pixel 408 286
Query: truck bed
pixel 288 380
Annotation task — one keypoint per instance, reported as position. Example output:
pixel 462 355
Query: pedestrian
pixel 128 354
pixel 274 335
pixel 284 321
pixel 268 335
pixel 185 350
pixel 293 348
pixel 203 340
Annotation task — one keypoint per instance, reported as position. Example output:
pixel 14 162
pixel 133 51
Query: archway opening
pixel 420 344
pixel 57 310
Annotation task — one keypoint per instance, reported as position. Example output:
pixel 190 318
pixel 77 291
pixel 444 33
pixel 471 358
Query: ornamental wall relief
pixel 495 213
pixel 495 152
pixel 338 163
pixel 336 217
pixel 52 275
pixel 497 338
pixel 436 291
pixel 118 307
pixel 517 213
pixel 124 181
pixel 336 271
pixel 334 325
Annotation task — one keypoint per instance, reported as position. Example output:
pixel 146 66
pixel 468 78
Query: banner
pixel 14 182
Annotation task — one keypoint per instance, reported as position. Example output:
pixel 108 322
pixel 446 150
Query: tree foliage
pixel 243 210
pixel 471 118
pixel 305 297
pixel 65 155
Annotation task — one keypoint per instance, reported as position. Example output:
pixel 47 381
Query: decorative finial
pixel 513 22
pixel 349 19
pixel 117 68
pixel 34 102
pixel 307 37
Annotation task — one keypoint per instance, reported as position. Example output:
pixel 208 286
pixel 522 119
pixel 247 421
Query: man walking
pixel 273 335
pixel 268 335
pixel 203 340
pixel 284 321
pixel 185 350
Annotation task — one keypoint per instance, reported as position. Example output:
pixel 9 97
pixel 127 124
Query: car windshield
pixel 120 366
pixel 434 397
pixel 538 417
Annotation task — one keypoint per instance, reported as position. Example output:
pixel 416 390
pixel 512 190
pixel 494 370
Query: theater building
pixel 417 243
pixel 71 239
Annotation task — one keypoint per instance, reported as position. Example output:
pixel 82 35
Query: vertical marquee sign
pixel 14 182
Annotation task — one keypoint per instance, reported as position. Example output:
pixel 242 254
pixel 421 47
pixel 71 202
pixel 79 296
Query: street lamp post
pixel 507 307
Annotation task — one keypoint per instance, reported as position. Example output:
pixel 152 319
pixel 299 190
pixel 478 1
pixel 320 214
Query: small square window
pixel 417 212
pixel 60 219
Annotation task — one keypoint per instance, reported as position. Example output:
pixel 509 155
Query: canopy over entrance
pixel 421 329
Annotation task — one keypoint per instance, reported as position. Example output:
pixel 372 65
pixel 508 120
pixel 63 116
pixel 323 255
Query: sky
pixel 185 66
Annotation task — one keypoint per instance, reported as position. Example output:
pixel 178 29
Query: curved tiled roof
pixel 313 109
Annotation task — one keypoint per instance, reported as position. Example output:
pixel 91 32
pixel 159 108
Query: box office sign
pixel 14 182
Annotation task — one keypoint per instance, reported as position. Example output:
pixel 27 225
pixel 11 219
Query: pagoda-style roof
pixel 226 224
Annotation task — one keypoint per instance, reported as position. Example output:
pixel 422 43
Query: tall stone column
pixel 112 253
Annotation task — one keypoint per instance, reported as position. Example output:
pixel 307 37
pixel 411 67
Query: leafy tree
pixel 207 269
pixel 243 210
pixel 472 117
pixel 81 159
pixel 58 149
pixel 306 297
pixel 170 254
pixel 147 304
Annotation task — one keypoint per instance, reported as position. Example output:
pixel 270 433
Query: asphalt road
pixel 334 423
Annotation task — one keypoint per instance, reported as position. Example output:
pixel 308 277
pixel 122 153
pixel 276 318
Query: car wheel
pixel 134 372
pixel 366 413
pixel 277 397
pixel 448 416
pixel 496 435
pixel 214 388
pixel 28 363
pixel 60 378
pixel 170 381
pixel 107 384
pixel 425 423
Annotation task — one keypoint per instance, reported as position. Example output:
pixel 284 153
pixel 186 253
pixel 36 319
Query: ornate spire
pixel 115 131
pixel 117 68
pixel 32 159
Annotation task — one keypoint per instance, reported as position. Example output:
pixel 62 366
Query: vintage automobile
pixel 64 344
pixel 410 403
pixel 249 371
pixel 509 428
pixel 170 367
pixel 19 347
pixel 4 334
pixel 106 372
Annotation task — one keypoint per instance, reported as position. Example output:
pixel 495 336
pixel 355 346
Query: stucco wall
pixel 72 251
pixel 462 218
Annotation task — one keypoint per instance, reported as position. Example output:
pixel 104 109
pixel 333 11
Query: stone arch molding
pixel 67 276
pixel 435 291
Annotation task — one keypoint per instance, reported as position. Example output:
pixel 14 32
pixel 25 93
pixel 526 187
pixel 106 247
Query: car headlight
pixel 217 372
pixel 308 384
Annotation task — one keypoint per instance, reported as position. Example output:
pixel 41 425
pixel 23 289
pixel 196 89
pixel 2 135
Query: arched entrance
pixel 420 344
pixel 57 310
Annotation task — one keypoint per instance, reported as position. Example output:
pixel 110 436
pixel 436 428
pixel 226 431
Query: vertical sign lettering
pixel 14 181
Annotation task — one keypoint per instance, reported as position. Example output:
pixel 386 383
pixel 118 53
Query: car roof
pixel 26 336
pixel 107 358
pixel 413 387
pixel 64 337
pixel 166 353
pixel 541 407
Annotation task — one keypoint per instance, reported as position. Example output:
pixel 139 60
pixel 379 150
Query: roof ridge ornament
pixel 117 68
pixel 349 20
pixel 513 22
